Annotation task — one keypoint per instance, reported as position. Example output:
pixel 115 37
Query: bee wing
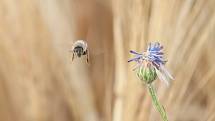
pixel 166 72
pixel 97 53
pixel 164 75
pixel 85 46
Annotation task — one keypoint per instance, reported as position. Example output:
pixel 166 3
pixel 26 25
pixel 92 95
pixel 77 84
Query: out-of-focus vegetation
pixel 39 82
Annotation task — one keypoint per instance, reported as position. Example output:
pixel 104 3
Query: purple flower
pixel 150 64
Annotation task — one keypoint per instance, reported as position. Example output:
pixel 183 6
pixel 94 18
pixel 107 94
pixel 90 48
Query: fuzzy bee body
pixel 80 48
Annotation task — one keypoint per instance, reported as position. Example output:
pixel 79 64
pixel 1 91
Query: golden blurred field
pixel 39 82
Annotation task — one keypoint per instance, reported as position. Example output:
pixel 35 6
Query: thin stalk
pixel 156 103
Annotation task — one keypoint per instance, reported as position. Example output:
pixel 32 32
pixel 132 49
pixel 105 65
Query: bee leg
pixel 73 56
pixel 87 56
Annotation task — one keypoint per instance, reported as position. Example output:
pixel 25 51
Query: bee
pixel 79 49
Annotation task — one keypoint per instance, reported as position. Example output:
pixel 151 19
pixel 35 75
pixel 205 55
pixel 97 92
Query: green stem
pixel 156 103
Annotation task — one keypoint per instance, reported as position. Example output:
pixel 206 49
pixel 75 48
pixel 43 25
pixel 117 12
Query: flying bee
pixel 80 48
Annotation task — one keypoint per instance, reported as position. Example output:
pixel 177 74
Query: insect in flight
pixel 80 48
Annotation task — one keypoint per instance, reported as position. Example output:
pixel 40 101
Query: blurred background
pixel 39 82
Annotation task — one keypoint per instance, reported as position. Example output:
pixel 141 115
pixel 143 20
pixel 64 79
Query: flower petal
pixel 133 52
pixel 135 58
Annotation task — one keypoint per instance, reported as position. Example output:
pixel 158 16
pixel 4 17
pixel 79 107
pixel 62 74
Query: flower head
pixel 150 64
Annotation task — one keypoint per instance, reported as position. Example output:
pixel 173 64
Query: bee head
pixel 78 50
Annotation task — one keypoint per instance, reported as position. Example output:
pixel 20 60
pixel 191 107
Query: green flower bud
pixel 147 74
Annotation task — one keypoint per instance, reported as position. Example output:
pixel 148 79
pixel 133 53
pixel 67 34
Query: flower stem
pixel 156 103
